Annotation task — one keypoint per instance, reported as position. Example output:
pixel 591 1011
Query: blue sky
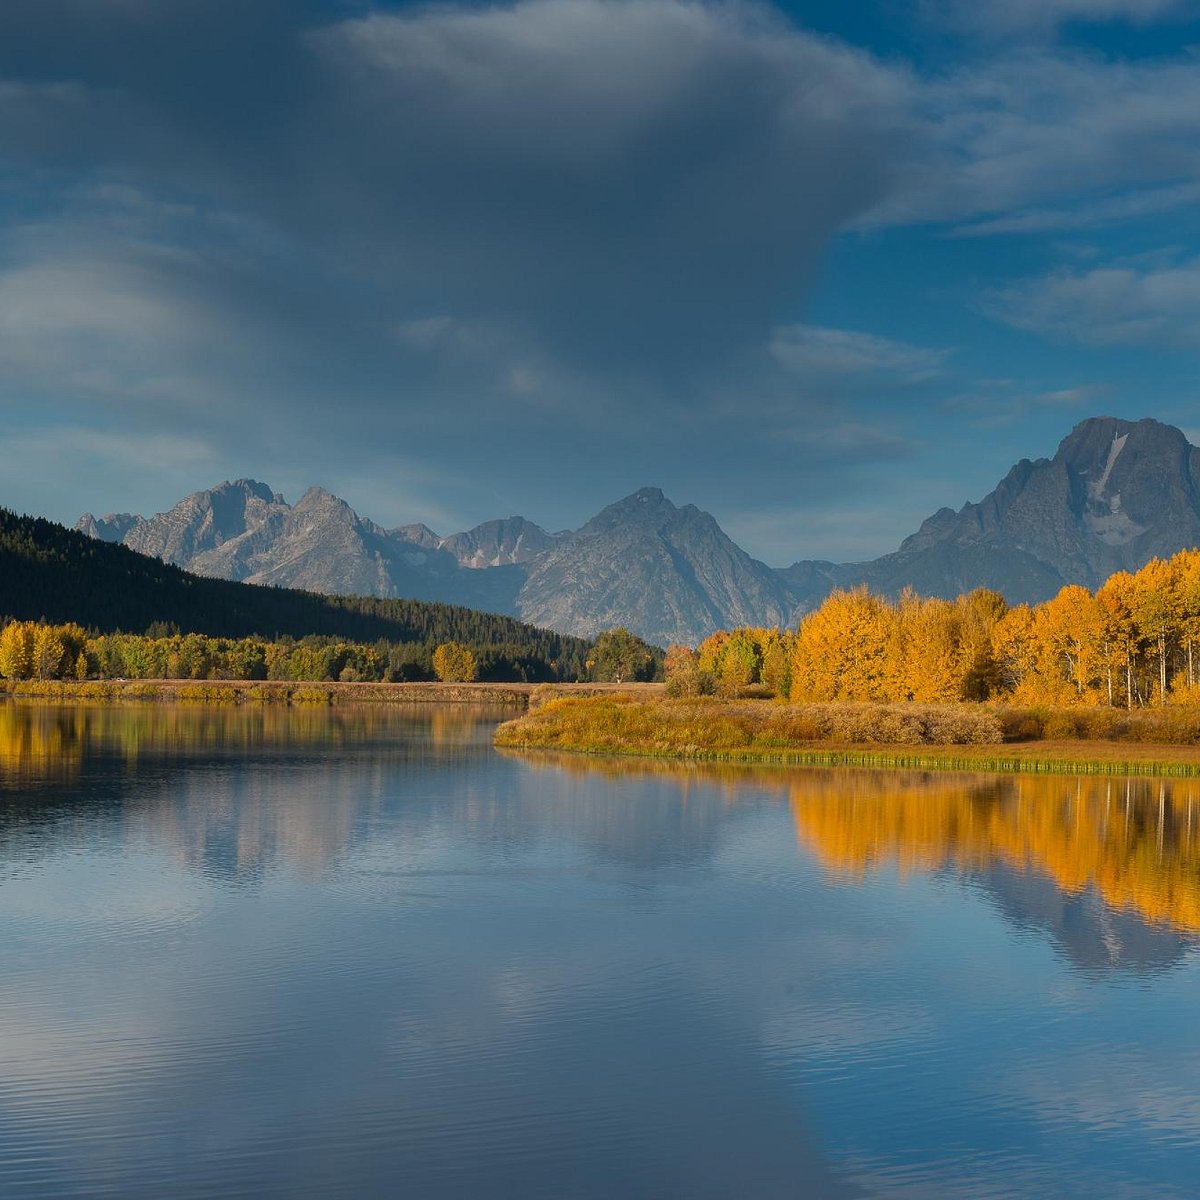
pixel 819 269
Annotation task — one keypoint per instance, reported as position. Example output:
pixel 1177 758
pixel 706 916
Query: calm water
pixel 361 953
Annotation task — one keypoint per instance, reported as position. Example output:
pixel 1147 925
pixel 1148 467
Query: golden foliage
pixel 1137 842
pixel 454 663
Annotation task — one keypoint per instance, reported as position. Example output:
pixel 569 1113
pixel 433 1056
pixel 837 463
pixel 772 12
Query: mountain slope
pixel 671 574
pixel 1116 494
pixel 243 531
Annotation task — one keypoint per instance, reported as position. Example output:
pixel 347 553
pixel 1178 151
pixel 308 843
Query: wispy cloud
pixel 1123 305
pixel 1109 211
pixel 811 351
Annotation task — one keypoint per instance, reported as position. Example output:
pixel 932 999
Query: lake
pixel 339 952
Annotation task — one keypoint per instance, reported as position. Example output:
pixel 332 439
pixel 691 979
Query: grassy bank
pixel 238 691
pixel 965 737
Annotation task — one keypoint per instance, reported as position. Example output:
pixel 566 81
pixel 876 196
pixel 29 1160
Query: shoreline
pixel 1044 758
pixel 304 692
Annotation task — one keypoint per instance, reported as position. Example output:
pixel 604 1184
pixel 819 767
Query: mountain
pixel 1081 926
pixel 246 532
pixel 1116 494
pixel 47 571
pixel 669 573
pixel 495 543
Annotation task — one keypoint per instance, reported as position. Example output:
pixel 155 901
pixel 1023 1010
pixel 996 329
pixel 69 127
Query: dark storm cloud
pixel 646 175
pixel 638 177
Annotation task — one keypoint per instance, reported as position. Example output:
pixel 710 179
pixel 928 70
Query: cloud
pixel 1108 211
pixel 640 175
pixel 1109 306
pixel 1072 397
pixel 852 530
pixel 810 351
pixel 997 404
pixel 41 462
pixel 1071 133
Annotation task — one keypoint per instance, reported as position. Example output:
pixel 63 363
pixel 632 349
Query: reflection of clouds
pixel 234 825
pixel 1000 1174
pixel 841 1032
pixel 1137 1090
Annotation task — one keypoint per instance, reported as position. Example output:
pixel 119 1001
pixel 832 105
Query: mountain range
pixel 1115 494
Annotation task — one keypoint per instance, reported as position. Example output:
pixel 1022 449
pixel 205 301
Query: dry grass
pixel 705 725
pixel 964 736
pixel 1170 725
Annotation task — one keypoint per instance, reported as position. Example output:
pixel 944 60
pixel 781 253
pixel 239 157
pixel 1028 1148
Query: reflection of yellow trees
pixel 49 742
pixel 33 750
pixel 303 819
pixel 1136 841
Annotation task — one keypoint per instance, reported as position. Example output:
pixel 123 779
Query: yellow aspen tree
pixel 777 662
pixel 454 663
pixel 18 641
pixel 1185 606
pixel 1068 629
pixel 1015 650
pixel 928 651
pixel 740 663
pixel 842 649
pixel 1120 632
pixel 1153 586
pixel 711 652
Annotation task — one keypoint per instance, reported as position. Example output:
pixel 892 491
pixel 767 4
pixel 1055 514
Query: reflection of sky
pixel 498 979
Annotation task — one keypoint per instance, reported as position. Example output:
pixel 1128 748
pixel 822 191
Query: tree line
pixel 1132 642
pixel 37 650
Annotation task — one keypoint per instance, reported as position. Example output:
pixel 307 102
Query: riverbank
pixel 239 691
pixel 948 737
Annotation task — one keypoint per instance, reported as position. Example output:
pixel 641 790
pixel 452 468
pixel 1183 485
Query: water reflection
pixel 1107 849
pixel 1109 867
pixel 1134 842
pixel 177 775
pixel 41 744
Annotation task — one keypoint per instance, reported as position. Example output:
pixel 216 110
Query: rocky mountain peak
pixel 252 488
pixel 1116 494
pixel 110 528
pixel 645 508
pixel 1091 441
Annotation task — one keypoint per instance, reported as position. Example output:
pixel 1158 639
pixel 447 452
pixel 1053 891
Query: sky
pixel 819 269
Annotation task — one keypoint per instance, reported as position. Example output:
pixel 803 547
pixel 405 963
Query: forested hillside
pixel 48 572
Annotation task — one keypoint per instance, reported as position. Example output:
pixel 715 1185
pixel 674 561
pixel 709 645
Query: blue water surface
pixel 273 952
